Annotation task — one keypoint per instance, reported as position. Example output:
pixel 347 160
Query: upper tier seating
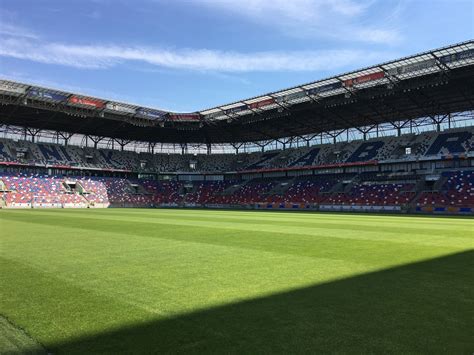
pixel 429 144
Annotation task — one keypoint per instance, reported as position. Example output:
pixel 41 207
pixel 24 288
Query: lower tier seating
pixel 455 189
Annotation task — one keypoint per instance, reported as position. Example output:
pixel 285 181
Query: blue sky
pixel 194 54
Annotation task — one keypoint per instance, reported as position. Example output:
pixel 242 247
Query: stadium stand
pixel 429 144
pixel 427 170
pixel 457 191
pixel 39 191
pixel 452 189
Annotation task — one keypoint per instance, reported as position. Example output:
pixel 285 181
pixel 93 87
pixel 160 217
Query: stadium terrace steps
pixel 438 185
pixel 281 187
pixel 233 188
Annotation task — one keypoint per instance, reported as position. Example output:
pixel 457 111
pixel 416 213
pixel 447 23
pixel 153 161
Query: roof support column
pixel 95 139
pixel 398 126
pixel 308 139
pixel 184 148
pixel 151 147
pixel 284 142
pixel 32 132
pixel 66 136
pixel 364 131
pixel 334 135
pixel 236 147
pixel 122 143
pixel 262 145
pixel 438 120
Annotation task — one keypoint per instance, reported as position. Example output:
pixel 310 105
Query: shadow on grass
pixel 425 307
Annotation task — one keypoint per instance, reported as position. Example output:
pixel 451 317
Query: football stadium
pixel 335 216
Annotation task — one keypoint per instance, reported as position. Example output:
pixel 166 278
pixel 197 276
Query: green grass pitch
pixel 196 281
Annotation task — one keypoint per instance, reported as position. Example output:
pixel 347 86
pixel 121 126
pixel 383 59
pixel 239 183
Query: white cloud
pixel 296 10
pixel 336 19
pixel 106 56
pixel 8 29
pixel 50 53
pixel 21 43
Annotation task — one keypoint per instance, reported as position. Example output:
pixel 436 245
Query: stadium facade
pixel 395 137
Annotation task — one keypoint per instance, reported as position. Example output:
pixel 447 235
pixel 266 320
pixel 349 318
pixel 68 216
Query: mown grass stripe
pixel 236 282
pixel 459 237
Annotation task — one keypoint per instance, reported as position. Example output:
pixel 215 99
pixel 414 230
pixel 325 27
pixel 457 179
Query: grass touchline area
pixel 200 281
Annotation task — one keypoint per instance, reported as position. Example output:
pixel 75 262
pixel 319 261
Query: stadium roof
pixel 429 84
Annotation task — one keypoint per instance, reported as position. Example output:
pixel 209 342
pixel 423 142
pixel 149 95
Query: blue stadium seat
pixel 366 151
pixel 453 142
